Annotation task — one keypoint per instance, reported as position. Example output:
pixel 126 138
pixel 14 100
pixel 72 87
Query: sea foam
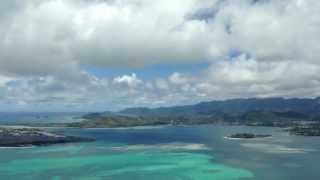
pixel 167 146
pixel 276 148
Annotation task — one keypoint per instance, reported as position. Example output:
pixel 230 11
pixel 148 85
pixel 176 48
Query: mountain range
pixel 232 107
pixel 253 111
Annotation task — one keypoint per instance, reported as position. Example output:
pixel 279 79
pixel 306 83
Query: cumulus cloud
pixel 51 34
pixel 253 48
pixel 129 80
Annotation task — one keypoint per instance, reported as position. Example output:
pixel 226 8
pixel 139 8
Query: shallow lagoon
pixel 167 152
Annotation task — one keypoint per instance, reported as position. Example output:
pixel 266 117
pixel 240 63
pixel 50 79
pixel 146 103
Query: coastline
pixel 26 137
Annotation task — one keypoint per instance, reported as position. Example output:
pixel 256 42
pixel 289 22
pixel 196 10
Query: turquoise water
pixel 124 165
pixel 168 153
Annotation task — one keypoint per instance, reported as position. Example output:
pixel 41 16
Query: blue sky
pixel 149 72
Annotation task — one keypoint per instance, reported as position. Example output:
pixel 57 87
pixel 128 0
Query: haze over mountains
pixel 265 112
pixel 232 107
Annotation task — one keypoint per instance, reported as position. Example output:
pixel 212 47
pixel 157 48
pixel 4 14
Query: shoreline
pixel 26 137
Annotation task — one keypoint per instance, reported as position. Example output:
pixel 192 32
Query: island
pixel 306 130
pixel 21 137
pixel 247 136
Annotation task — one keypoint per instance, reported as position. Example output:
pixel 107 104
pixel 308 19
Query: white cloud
pixel 274 48
pixel 130 80
pixel 52 35
pixel 4 80
pixel 177 78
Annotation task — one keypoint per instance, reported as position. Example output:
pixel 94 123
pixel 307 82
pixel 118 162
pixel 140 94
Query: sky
pixel 98 55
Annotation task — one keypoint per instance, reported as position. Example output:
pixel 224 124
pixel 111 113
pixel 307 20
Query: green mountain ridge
pixel 268 112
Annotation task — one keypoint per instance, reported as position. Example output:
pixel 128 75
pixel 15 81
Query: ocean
pixel 167 153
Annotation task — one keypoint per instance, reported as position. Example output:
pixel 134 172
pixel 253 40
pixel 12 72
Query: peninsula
pixel 21 137
pixel 247 136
